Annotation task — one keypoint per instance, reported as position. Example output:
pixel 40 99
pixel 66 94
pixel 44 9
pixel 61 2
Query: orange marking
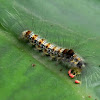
pixel 41 41
pixel 60 50
pixel 34 37
pixel 28 32
pixel 78 59
pixel 48 45
pixel 54 48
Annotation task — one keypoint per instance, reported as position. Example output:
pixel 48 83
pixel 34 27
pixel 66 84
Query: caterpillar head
pixel 77 70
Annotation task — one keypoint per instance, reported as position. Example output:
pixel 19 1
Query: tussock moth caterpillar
pixel 83 44
pixel 55 52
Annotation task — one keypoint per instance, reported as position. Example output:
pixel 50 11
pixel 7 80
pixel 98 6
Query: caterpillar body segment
pixel 39 45
pixel 60 54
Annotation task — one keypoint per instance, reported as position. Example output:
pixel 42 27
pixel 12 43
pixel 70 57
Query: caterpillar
pixel 59 54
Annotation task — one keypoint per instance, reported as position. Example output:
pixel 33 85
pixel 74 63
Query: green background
pixel 68 23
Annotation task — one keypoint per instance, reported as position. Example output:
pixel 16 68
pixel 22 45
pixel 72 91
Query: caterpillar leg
pixel 45 52
pixel 59 60
pixel 38 47
pixel 52 57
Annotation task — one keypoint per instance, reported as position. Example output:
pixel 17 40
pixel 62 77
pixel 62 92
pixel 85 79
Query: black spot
pixel 48 50
pixel 65 51
pixel 70 53
pixel 79 64
pixel 42 46
pixel 56 52
pixel 72 71
pixel 35 41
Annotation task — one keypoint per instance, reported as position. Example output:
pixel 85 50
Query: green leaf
pixel 68 23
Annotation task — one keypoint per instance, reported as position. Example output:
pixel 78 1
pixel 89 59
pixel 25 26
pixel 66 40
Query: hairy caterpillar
pixel 84 44
pixel 60 54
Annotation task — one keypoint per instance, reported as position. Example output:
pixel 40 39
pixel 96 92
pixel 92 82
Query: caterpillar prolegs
pixel 60 54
